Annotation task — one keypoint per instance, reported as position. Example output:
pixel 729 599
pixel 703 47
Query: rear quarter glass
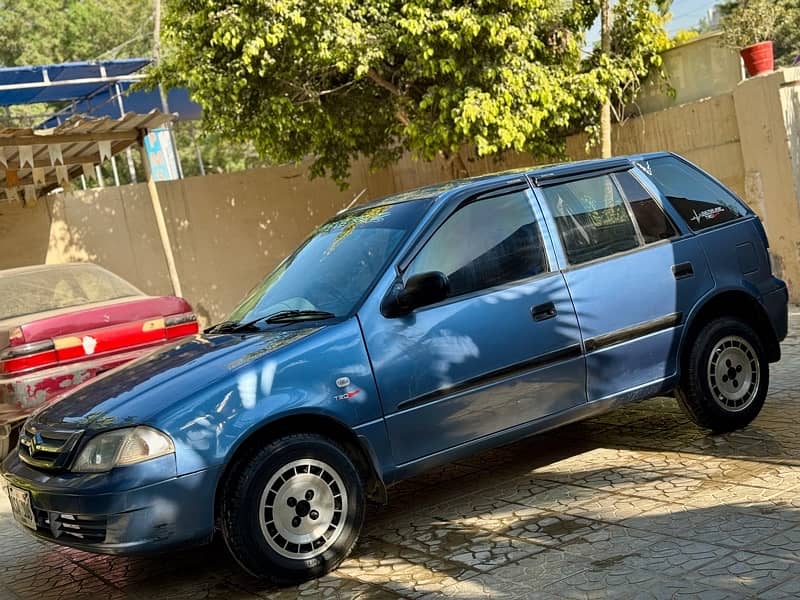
pixel 698 199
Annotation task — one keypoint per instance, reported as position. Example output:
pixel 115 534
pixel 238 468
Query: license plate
pixel 21 506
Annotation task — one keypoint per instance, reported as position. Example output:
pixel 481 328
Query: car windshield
pixel 52 288
pixel 335 267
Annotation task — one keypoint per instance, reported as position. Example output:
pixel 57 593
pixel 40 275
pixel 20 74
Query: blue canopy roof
pixel 92 87
pixel 106 104
pixel 66 81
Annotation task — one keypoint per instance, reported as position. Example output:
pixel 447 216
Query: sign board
pixel 161 154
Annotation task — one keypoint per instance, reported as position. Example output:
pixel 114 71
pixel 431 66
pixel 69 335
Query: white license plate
pixel 21 506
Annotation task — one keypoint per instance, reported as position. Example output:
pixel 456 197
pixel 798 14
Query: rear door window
pixel 653 223
pixel 700 200
pixel 592 219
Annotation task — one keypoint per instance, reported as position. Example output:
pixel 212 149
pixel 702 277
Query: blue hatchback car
pixel 406 334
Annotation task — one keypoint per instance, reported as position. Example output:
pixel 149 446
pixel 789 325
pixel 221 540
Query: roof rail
pixel 571 172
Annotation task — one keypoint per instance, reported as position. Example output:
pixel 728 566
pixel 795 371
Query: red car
pixel 63 324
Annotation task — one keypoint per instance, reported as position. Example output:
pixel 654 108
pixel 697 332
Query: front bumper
pixel 153 517
pixel 22 394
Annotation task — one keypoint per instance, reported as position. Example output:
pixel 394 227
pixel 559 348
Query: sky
pixel 685 14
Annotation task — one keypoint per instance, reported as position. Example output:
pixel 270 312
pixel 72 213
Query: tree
pixel 786 35
pixel 623 27
pixel 338 79
pixel 52 31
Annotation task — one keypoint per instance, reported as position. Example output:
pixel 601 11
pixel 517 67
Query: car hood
pixel 131 394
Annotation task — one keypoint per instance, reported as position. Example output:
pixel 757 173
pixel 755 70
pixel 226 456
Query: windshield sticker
pixel 644 166
pixel 709 214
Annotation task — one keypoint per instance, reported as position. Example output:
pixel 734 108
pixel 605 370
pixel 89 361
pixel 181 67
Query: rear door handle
pixel 542 312
pixel 683 270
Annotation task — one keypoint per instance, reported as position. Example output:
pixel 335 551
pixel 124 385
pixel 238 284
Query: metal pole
pixel 605 109
pixel 160 222
pixel 114 170
pixel 128 152
pixel 99 175
pixel 197 152
pixel 162 93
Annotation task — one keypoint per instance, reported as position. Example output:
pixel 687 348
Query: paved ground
pixel 636 504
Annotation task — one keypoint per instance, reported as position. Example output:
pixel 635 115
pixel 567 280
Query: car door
pixel 634 276
pixel 502 349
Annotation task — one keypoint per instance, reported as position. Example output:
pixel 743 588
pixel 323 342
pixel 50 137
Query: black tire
pixel 314 463
pixel 709 388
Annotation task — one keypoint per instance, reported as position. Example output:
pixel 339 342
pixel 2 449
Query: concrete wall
pixel 701 68
pixel 228 231
pixel 706 132
pixel 768 124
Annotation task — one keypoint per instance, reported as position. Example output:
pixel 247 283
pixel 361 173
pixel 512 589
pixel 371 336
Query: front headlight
pixel 122 447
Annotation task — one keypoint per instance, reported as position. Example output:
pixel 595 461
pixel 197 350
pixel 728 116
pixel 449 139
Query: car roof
pixel 537 174
pixel 53 267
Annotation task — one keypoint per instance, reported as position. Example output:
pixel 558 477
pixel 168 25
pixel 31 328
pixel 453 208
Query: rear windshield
pixel 700 200
pixel 59 287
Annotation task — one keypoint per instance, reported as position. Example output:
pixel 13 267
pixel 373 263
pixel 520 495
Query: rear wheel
pixel 726 377
pixel 293 510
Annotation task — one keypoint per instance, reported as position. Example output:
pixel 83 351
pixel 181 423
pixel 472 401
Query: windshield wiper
pixel 227 327
pixel 282 316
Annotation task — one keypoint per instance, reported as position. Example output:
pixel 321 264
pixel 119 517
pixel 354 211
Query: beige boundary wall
pixel 229 230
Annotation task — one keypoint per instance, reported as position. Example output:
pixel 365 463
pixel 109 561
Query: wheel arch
pixel 733 303
pixel 357 448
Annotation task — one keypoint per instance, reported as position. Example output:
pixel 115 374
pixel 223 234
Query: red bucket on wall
pixel 758 58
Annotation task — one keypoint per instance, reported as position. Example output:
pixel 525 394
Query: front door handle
pixel 683 270
pixel 542 312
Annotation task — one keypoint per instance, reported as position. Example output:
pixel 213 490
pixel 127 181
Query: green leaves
pixel 338 79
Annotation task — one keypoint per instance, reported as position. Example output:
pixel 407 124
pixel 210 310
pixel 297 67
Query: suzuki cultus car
pixel 406 334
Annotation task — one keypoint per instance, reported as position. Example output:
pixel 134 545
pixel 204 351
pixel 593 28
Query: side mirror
pixel 420 290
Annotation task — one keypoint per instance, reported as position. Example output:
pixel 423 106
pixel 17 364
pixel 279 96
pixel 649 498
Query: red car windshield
pixel 53 288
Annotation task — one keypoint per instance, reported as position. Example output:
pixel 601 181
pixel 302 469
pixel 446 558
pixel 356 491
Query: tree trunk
pixel 605 110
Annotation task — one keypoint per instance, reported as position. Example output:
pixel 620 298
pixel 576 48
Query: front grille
pixel 47 448
pixel 77 528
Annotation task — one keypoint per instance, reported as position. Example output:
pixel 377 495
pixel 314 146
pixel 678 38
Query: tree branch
pixel 393 89
pixel 384 83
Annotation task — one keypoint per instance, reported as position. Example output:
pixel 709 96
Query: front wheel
pixel 727 376
pixel 293 509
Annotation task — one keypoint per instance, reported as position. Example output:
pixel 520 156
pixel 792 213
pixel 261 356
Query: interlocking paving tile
pixel 674 557
pixel 475 548
pixel 720 525
pixel 543 569
pixel 613 507
pixel 609 580
pixel 331 588
pixel 401 570
pixel 609 544
pixel 788 590
pixel 557 497
pixel 674 588
pixel 747 573
pixel 784 543
pixel 489 586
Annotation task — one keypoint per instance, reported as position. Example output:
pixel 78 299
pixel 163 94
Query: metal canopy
pixel 77 142
pixel 39 160
pixel 64 82
pixel 118 98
